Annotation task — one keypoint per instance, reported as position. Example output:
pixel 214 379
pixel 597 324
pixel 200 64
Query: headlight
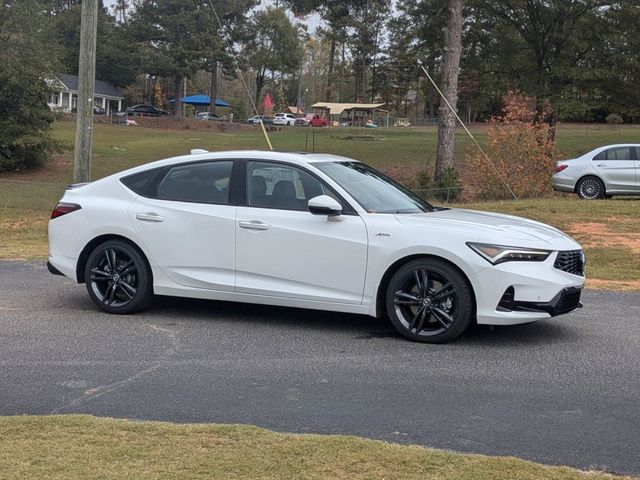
pixel 496 254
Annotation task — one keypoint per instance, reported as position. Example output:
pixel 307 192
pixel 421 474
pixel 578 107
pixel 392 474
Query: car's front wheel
pixel 428 300
pixel 590 188
pixel 118 278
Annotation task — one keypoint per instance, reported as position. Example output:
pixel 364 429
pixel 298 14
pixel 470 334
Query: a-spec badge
pixel 383 234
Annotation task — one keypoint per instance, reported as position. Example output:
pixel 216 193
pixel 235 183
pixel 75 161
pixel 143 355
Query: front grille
pixel 571 261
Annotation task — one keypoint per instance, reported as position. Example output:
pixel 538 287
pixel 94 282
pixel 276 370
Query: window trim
pixel 347 208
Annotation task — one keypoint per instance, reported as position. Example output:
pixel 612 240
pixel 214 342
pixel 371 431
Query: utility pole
pixel 86 91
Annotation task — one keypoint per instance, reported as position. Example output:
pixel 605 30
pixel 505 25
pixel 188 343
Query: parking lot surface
pixel 561 391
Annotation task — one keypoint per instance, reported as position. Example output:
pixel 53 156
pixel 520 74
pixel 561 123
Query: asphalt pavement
pixel 563 391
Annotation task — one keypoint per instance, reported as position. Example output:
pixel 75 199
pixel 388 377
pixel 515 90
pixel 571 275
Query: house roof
pixel 294 109
pixel 102 88
pixel 338 108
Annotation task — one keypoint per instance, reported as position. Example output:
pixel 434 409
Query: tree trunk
pixel 450 67
pixel 332 57
pixel 178 89
pixel 213 88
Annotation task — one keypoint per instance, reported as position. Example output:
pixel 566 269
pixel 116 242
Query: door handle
pixel 254 225
pixel 149 217
pixel 600 165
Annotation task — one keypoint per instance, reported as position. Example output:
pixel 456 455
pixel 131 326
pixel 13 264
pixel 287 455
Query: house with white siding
pixel 64 96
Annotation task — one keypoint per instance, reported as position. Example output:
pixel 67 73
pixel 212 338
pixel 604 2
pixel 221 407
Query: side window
pixel 619 153
pixel 285 187
pixel 206 182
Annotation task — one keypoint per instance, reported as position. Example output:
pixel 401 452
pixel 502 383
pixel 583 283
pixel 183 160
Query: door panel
pixel 194 243
pixel 617 168
pixel 189 226
pixel 283 250
pixel 299 255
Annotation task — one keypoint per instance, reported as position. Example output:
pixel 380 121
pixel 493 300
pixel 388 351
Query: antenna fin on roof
pixel 196 151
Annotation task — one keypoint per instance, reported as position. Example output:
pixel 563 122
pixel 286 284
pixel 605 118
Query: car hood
pixel 491 227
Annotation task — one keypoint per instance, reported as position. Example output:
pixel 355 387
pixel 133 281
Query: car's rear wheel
pixel 590 188
pixel 428 300
pixel 118 278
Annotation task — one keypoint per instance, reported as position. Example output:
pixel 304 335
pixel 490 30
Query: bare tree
pixel 449 86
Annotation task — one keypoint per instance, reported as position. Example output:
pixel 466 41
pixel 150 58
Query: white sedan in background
pixel 603 172
pixel 311 231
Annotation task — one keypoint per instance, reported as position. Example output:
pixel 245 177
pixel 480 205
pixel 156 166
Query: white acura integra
pixel 311 231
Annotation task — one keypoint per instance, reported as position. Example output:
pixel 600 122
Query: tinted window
pixel 274 185
pixel 197 182
pixel 618 153
pixel 143 183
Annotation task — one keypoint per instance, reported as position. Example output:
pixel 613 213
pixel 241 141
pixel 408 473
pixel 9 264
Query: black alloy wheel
pixel 590 188
pixel 430 301
pixel 118 278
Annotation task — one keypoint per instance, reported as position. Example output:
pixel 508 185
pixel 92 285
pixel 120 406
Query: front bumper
pixel 567 300
pixel 540 291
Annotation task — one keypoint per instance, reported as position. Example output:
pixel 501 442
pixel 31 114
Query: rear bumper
pixel 53 270
pixel 560 184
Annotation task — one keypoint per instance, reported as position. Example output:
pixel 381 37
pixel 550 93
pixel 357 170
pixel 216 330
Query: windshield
pixel 374 191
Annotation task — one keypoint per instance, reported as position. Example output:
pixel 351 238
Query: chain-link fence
pixel 446 194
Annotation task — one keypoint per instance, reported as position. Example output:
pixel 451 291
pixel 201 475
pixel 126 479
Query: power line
pixel 239 72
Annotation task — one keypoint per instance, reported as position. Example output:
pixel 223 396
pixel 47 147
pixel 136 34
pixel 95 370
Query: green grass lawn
pixel 83 447
pixel 611 239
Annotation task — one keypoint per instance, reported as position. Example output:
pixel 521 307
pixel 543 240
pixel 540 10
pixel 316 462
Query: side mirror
pixel 324 205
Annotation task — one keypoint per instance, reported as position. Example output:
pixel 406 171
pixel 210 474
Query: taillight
pixel 62 208
pixel 560 168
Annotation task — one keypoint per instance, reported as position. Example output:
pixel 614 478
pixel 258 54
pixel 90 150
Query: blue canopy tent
pixel 201 100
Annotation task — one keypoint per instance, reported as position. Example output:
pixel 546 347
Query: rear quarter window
pixel 143 183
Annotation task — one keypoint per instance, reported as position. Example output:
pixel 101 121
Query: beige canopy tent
pixel 366 110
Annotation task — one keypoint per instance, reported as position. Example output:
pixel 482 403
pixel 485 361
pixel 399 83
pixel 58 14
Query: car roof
pixel 295 158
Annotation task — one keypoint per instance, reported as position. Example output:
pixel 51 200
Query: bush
pixel 522 150
pixel 25 120
pixel 614 119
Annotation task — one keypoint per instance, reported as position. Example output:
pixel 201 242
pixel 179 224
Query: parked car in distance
pixel 311 120
pixel 207 116
pixel 146 111
pixel 255 120
pixel 303 121
pixel 287 119
pixel 601 173
pixel 97 110
pixel 311 231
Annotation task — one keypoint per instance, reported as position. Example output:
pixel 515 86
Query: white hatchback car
pixel 312 231
pixel 287 119
pixel 600 173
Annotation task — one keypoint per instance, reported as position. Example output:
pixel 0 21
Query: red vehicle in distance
pixel 311 120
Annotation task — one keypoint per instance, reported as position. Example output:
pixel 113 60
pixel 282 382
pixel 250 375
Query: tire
pixel 590 188
pixel 435 311
pixel 118 278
